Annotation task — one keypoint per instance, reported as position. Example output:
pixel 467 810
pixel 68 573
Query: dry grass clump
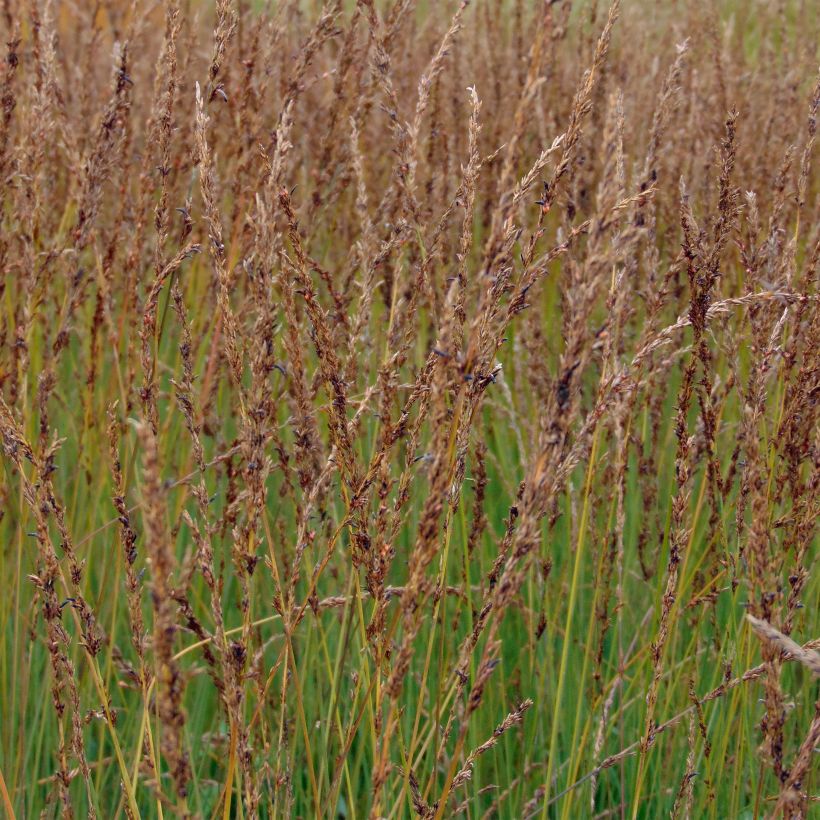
pixel 409 409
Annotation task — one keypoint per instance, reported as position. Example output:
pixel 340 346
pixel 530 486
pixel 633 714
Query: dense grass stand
pixel 409 408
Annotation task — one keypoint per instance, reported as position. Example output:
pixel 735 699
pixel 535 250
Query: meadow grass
pixel 409 409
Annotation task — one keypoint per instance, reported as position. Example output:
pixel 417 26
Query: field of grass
pixel 409 409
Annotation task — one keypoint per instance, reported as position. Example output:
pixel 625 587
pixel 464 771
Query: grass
pixel 409 410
